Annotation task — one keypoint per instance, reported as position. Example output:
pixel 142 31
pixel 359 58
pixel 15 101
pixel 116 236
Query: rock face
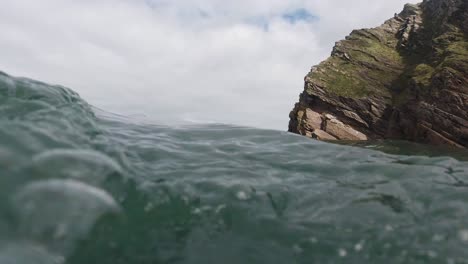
pixel 407 79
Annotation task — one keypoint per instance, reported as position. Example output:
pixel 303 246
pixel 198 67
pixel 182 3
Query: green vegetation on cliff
pixel 365 63
pixel 406 52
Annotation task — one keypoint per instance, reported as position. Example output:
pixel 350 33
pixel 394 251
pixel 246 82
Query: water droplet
pixel 200 210
pixel 313 240
pixel 342 252
pixel 206 208
pixel 59 212
pixel 61 231
pixel 149 207
pixel 437 238
pixel 432 254
pixel 463 234
pixel 359 246
pixel 185 199
pixel 297 249
pixel 85 165
pixel 219 208
pixel 241 195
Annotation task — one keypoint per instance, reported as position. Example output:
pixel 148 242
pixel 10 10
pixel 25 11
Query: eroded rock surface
pixel 407 79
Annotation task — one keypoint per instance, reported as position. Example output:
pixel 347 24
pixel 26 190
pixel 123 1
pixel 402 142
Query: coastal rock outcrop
pixel 407 79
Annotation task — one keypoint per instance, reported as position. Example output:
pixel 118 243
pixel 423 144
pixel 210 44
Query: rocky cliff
pixel 407 79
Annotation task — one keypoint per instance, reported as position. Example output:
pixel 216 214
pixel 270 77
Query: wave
pixel 79 185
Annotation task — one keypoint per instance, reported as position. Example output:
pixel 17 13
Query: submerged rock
pixel 407 79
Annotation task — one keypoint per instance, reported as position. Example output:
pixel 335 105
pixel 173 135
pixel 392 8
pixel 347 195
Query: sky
pixel 237 62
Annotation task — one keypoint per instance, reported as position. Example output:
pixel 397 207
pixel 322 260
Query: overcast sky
pixel 237 62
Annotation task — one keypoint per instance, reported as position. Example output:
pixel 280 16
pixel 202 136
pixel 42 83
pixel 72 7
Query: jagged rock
pixel 407 79
pixel 314 119
pixel 341 131
pixel 322 135
pixel 308 121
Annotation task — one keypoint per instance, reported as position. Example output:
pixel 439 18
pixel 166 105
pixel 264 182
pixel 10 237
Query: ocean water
pixel 79 185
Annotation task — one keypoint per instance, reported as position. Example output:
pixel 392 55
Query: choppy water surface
pixel 81 186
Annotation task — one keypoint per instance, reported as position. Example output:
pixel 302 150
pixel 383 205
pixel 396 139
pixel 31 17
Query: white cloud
pixel 175 60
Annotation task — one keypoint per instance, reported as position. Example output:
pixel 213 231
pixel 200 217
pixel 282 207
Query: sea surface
pixel 79 185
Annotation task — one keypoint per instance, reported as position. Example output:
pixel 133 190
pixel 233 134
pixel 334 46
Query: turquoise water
pixel 79 185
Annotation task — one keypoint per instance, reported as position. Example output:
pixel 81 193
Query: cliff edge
pixel 407 79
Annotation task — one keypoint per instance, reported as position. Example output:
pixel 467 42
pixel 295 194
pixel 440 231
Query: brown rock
pixel 313 119
pixel 322 135
pixel 341 131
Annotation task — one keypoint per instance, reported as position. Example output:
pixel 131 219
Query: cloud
pixel 238 62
